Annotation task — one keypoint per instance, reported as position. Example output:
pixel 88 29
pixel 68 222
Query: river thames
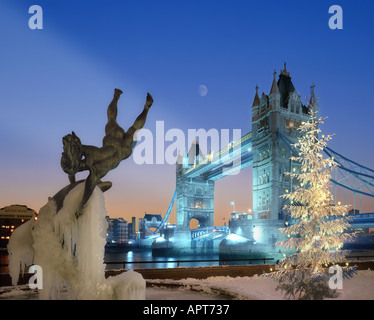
pixel 133 259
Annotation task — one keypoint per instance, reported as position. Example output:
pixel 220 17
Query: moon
pixel 203 90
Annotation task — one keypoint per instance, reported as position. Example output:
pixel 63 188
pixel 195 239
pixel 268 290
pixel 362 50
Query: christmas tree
pixel 317 236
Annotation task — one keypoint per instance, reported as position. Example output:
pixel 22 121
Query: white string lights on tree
pixel 318 234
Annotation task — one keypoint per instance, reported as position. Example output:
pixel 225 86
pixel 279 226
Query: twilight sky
pixel 61 79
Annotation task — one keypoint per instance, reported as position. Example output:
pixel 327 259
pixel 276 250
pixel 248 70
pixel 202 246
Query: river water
pixel 133 259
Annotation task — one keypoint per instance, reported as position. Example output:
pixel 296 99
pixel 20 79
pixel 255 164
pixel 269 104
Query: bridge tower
pixel 280 111
pixel 195 196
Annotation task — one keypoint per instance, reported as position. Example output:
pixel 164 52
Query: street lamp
pixel 233 204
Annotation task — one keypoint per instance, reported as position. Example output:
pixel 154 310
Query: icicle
pixel 71 252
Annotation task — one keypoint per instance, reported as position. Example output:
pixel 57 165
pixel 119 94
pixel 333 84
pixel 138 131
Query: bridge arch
pixel 198 221
pixel 149 224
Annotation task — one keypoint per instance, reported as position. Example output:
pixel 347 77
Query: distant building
pixel 12 217
pixel 117 232
pixel 132 228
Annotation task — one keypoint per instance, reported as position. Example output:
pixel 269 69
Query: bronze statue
pixel 117 146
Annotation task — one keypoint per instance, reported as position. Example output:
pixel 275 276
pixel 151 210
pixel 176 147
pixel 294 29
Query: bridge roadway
pixel 226 161
pixel 211 233
pixel 360 220
pixel 238 155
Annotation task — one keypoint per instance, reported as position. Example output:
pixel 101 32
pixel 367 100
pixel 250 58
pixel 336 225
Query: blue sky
pixel 61 78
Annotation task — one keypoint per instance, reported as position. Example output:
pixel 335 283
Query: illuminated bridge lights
pixel 236 149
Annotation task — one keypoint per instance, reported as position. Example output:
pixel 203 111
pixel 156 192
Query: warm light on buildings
pixel 12 217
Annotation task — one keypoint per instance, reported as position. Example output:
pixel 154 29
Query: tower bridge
pixel 267 149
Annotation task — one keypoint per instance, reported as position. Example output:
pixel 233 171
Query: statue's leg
pixel 112 112
pixel 140 120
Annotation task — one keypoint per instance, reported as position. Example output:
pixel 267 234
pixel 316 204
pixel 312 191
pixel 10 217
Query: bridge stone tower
pixel 195 196
pixel 280 111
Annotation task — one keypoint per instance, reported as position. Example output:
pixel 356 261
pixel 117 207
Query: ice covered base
pixel 70 252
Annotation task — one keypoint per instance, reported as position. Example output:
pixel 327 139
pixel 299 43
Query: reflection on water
pixel 134 256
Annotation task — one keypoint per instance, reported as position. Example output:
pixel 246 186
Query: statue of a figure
pixel 117 146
